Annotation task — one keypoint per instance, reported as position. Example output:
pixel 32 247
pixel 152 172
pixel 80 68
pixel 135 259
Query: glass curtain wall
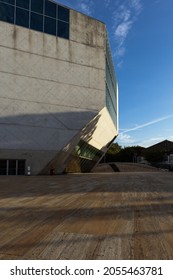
pixel 111 86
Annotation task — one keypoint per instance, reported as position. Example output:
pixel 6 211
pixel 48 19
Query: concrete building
pixel 58 90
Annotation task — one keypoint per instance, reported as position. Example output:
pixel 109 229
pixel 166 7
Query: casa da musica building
pixel 58 89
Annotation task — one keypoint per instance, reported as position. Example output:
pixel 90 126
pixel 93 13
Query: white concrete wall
pixel 50 88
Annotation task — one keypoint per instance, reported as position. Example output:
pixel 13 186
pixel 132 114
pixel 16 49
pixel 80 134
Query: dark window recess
pixel 50 26
pixel 50 9
pixel 21 167
pixel 3 167
pixel 8 1
pixel 63 14
pixel 6 13
pixel 36 22
pixel 22 17
pixel 37 6
pixel 63 29
pixel 12 167
pixel 23 4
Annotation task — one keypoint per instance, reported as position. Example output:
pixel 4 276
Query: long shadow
pixel 39 137
pixel 76 238
pixel 86 183
pixel 126 212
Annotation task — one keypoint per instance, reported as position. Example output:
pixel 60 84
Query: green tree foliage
pixel 118 154
pixel 111 153
pixel 114 149
pixel 154 156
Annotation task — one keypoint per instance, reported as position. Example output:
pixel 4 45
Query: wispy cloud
pixel 124 138
pixel 148 124
pixel 124 18
pixel 151 141
pixel 86 6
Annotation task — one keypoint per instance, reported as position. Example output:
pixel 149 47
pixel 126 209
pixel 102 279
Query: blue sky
pixel 141 38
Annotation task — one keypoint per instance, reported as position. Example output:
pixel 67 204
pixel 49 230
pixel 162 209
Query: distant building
pixel 166 147
pixel 58 90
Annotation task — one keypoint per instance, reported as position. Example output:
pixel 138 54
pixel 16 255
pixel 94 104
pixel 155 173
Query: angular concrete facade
pixel 53 97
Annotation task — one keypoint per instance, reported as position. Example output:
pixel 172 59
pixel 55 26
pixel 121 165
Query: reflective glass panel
pixel 12 167
pixel 21 167
pixel 8 1
pixel 50 25
pixel 63 14
pixel 36 22
pixel 37 6
pixel 6 13
pixel 63 29
pixel 3 167
pixel 22 17
pixel 22 4
pixel 50 9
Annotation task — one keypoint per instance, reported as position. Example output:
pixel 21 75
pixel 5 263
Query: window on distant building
pixel 12 166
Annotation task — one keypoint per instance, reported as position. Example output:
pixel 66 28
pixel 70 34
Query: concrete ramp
pixel 124 167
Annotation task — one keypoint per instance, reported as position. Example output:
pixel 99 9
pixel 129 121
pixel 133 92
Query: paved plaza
pixel 87 216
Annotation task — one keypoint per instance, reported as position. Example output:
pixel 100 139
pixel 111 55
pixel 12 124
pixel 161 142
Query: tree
pixel 128 154
pixel 154 156
pixel 112 151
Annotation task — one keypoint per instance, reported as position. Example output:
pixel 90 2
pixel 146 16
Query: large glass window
pixel 21 167
pixel 22 17
pixel 36 22
pixel 8 1
pixel 111 88
pixel 50 25
pixel 12 167
pixel 63 29
pixel 63 14
pixel 50 9
pixel 41 15
pixel 6 12
pixel 3 167
pixel 23 4
pixel 37 6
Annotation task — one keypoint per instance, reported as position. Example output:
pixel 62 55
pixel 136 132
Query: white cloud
pixel 120 51
pixel 123 29
pixel 124 18
pixel 149 142
pixel 86 6
pixel 136 5
pixel 125 139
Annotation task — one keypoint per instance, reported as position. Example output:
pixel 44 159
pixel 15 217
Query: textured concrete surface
pixel 87 216
pixel 50 89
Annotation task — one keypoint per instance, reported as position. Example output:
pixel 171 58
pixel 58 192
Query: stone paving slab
pixel 87 216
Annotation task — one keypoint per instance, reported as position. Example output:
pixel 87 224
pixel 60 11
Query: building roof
pixel 165 146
